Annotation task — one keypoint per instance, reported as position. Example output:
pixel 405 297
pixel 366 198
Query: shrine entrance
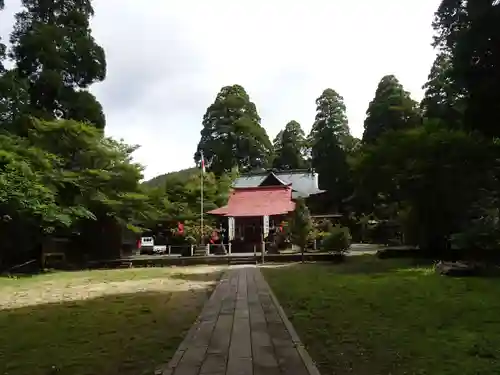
pixel 253 213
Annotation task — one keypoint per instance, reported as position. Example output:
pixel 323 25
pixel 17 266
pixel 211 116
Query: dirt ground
pixel 109 322
pixel 73 286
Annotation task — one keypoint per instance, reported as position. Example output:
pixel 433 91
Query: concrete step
pixel 200 251
pixel 242 260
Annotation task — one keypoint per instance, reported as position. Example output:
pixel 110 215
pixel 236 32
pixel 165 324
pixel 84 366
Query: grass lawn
pixel 111 322
pixel 373 317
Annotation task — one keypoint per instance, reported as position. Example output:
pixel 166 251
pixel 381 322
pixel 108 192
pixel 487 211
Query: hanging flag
pixel 202 162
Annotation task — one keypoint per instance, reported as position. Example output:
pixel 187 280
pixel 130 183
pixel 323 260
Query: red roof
pixel 258 201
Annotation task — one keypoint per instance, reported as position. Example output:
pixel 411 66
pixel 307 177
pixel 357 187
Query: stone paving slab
pixel 242 330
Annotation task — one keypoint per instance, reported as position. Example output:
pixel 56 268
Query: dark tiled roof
pixel 304 182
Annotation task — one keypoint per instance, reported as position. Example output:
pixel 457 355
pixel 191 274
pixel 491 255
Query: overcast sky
pixel 168 59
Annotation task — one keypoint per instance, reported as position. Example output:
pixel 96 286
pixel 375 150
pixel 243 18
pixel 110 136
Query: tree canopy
pixel 467 31
pixel 232 135
pixel 438 180
pixel 439 174
pixel 59 175
pixel 162 180
pixel 443 99
pixel 328 140
pixel 56 55
pixel 430 170
pixel 2 46
pixel 62 174
pixel 289 147
pixel 391 109
pixel 301 224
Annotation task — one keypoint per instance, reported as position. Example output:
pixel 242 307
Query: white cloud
pixel 168 59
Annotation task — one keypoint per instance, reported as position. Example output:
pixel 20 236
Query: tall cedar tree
pixel 423 169
pixel 277 141
pixel 289 147
pixel 13 92
pixel 468 31
pixel 232 135
pixel 443 100
pixel 391 109
pixel 2 46
pixel 328 152
pixel 54 51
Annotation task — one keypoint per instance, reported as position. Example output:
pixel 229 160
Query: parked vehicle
pixel 160 249
pixel 147 245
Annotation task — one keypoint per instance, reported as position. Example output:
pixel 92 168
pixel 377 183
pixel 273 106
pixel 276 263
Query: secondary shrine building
pixel 260 202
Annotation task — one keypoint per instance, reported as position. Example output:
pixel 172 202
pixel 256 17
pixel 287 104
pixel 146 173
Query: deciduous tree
pixel 64 177
pixel 90 171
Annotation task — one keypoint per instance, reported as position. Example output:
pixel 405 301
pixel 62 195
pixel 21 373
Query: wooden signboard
pixel 230 228
pixel 265 227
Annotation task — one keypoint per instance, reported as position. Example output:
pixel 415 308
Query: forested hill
pixel 61 178
pixel 160 180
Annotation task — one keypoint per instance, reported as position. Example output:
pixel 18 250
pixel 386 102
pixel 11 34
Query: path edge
pixel 301 349
pixel 169 367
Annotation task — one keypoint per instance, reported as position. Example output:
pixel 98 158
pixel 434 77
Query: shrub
pixel 324 225
pixel 319 231
pixel 482 233
pixel 318 237
pixel 301 224
pixel 338 240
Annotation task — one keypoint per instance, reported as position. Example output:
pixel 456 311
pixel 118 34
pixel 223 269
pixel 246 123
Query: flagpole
pixel 201 196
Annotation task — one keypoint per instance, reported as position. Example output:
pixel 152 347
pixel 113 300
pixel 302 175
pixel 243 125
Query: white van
pixel 147 245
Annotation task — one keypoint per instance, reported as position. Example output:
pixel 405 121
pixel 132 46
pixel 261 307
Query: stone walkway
pixel 242 330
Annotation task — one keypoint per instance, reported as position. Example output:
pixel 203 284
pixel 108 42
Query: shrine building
pixel 259 202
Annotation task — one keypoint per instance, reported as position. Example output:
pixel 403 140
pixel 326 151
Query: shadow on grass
pixel 110 335
pixel 38 273
pixel 391 316
pixel 190 273
pixel 370 264
pixel 366 264
pixel 22 275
